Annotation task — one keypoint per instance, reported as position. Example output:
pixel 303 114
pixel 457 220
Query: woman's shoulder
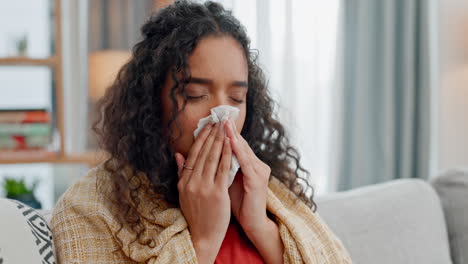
pixel 88 195
pixel 281 196
pixel 86 188
pixel 281 191
pixel 100 194
pixel 84 221
pixel 292 213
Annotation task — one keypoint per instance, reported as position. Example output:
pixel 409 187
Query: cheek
pixel 191 115
pixel 188 121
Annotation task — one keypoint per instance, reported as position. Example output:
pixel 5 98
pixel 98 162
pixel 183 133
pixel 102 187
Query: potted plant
pixel 22 45
pixel 17 189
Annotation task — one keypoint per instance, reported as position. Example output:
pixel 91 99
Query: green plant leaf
pixel 14 187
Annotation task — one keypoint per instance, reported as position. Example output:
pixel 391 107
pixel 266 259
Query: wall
pixel 453 108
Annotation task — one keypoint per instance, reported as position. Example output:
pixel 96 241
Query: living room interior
pixel 374 95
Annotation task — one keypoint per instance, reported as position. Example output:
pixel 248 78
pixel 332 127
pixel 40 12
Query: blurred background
pixel 370 91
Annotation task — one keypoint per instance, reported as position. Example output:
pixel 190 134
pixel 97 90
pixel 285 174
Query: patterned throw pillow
pixel 25 236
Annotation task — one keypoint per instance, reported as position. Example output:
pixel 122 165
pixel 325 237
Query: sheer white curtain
pixel 297 45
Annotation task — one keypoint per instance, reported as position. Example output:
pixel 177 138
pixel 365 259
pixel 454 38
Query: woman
pixel 163 196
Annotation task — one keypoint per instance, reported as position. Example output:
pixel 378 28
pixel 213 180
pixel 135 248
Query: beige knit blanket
pixel 85 224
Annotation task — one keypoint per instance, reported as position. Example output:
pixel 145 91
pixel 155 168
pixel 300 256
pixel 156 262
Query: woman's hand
pixel 248 192
pixel 203 192
pixel 248 195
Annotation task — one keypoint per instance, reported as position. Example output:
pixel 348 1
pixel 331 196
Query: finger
pixel 197 145
pixel 180 162
pixel 243 156
pixel 229 126
pixel 222 175
pixel 233 128
pixel 238 136
pixel 212 161
pixel 234 134
pixel 247 158
pixel 249 150
pixel 183 177
pixel 200 163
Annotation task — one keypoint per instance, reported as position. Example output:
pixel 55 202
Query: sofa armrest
pixel 452 187
pixel 395 222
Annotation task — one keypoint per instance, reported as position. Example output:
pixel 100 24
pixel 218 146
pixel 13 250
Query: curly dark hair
pixel 130 124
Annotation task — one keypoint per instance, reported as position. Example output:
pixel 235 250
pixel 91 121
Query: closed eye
pixel 194 98
pixel 237 100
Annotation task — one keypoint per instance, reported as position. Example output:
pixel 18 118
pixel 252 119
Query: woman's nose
pixel 220 99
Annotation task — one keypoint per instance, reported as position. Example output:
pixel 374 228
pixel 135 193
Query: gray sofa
pixel 400 222
pixel 403 221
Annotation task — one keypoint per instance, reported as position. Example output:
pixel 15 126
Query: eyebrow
pixel 208 81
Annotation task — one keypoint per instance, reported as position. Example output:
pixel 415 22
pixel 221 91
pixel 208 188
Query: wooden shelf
pixel 15 61
pixel 55 61
pixel 90 158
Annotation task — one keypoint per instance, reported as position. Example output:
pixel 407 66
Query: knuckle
pixel 226 148
pixel 209 139
pixel 219 137
pixel 213 133
pixel 202 149
pixel 266 177
pixel 227 165
pixel 229 151
pixel 222 166
pixel 202 157
pixel 191 189
pixel 216 195
pixel 205 133
pixel 221 171
pixel 180 186
pixel 211 159
pixel 205 193
pixel 206 130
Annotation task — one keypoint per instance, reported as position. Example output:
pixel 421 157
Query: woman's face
pixel 219 76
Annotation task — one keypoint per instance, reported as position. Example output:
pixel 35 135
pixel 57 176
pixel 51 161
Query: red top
pixel 237 248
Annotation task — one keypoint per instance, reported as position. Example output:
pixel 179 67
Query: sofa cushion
pixel 452 187
pixel 46 215
pixel 395 222
pixel 25 236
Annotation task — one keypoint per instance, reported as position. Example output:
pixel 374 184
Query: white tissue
pixel 219 114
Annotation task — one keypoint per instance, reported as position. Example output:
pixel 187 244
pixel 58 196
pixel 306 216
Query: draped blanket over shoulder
pixel 87 229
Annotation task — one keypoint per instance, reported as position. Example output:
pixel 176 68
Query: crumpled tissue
pixel 219 114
